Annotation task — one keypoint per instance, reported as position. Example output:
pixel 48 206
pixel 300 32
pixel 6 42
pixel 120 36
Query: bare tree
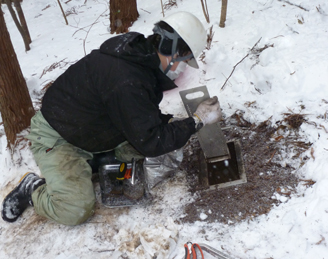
pixel 22 19
pixel 223 13
pixel 15 102
pixel 205 10
pixel 21 22
pixel 162 8
pixel 122 14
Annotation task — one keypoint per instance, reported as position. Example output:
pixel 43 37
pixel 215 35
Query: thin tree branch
pixel 85 53
pixel 287 2
pixel 234 67
pixel 61 8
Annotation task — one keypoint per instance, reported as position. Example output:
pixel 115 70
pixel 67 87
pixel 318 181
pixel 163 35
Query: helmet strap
pixel 177 59
pixel 174 36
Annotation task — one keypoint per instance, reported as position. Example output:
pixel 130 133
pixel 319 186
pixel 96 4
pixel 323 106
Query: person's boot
pixel 20 197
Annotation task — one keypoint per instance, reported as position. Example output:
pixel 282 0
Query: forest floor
pixel 269 179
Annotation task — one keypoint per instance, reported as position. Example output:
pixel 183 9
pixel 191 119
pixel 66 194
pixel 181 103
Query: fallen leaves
pixel 322 240
pixel 272 156
pixel 294 120
pixel 279 138
pixel 312 153
pixel 283 191
pixel 308 182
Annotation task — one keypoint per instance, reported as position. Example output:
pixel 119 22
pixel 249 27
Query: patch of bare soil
pixel 264 147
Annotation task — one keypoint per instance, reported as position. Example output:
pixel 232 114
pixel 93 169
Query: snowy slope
pixel 290 75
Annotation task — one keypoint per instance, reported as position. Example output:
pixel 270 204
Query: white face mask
pixel 175 74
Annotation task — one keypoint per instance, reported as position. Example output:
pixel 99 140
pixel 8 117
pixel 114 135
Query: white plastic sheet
pixel 158 168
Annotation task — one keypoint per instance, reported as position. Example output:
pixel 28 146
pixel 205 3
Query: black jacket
pixel 113 95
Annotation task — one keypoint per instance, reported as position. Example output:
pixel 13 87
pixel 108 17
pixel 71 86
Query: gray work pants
pixel 68 196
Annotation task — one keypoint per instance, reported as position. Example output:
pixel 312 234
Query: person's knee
pixel 79 210
pixel 70 211
pixel 77 215
pixel 82 214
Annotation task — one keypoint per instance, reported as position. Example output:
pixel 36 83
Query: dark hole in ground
pixel 224 171
pixel 263 148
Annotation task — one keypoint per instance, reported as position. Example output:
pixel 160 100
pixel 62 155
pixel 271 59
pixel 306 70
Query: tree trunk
pixel 223 13
pixel 122 14
pixel 22 20
pixel 15 102
pixel 18 25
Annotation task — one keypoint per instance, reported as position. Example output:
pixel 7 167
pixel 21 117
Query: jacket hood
pixel 133 47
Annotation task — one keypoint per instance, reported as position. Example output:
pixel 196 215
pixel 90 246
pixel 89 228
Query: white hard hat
pixel 191 30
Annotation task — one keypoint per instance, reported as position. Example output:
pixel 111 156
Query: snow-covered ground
pixel 290 75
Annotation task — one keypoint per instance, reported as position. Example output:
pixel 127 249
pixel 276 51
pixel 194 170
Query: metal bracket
pixel 210 137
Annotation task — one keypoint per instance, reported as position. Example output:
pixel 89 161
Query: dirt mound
pixel 265 150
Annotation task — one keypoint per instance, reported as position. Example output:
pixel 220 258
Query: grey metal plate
pixel 191 98
pixel 210 137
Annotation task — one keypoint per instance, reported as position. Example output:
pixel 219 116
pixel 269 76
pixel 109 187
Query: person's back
pixel 81 105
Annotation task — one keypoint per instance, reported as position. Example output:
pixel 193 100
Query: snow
pixel 290 75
